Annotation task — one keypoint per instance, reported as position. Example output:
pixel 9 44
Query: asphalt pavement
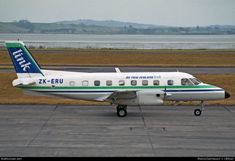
pixel 77 131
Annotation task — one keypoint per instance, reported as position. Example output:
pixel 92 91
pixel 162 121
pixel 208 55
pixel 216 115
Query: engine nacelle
pixel 150 97
pixel 145 97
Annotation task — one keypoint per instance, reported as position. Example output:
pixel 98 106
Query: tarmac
pixel 96 131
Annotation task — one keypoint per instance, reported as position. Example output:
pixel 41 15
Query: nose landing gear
pixel 198 112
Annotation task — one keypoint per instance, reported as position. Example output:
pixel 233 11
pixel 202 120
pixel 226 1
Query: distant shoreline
pixel 127 42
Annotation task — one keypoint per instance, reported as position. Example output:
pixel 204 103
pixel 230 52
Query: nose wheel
pixel 121 110
pixel 198 112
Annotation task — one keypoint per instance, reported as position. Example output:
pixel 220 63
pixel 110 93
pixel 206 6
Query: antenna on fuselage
pixel 117 70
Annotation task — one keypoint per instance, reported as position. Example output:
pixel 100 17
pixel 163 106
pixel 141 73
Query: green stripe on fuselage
pixel 114 87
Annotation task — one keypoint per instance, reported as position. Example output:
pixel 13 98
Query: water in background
pixel 124 41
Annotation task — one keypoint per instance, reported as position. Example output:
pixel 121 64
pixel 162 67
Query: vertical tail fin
pixel 24 63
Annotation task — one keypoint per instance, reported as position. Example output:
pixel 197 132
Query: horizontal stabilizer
pixel 23 81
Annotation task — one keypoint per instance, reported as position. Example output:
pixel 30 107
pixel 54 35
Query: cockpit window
pixel 190 81
pixel 186 82
pixel 198 80
pixel 195 81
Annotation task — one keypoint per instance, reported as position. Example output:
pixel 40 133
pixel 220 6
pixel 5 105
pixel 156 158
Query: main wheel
pixel 121 111
pixel 197 112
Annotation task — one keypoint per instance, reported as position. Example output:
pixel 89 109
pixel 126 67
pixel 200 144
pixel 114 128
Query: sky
pixel 158 12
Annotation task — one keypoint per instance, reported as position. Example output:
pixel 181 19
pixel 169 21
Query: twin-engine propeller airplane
pixel 120 88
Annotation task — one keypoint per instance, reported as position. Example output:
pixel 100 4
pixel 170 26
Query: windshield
pixel 190 81
pixel 195 81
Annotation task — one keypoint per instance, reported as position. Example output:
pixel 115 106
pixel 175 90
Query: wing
pixel 117 95
pixel 137 97
pixel 122 95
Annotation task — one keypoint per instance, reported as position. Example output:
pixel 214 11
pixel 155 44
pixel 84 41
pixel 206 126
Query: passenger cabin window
pixel 72 83
pixel 170 82
pixel 97 83
pixel 156 82
pixel 109 83
pixel 85 83
pixel 121 83
pixel 186 82
pixel 133 82
pixel 144 82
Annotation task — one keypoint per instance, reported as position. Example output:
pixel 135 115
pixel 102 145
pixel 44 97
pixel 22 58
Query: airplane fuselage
pixel 98 86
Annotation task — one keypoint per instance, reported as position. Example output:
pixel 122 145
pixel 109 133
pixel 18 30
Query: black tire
pixel 121 112
pixel 197 112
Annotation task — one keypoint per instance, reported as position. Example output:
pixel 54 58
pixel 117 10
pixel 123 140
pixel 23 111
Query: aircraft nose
pixel 226 95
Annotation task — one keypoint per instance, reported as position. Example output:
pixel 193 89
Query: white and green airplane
pixel 120 88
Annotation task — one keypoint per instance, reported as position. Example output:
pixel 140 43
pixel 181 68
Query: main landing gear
pixel 121 110
pixel 198 112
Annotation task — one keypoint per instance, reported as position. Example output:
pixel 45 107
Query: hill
pixel 108 27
